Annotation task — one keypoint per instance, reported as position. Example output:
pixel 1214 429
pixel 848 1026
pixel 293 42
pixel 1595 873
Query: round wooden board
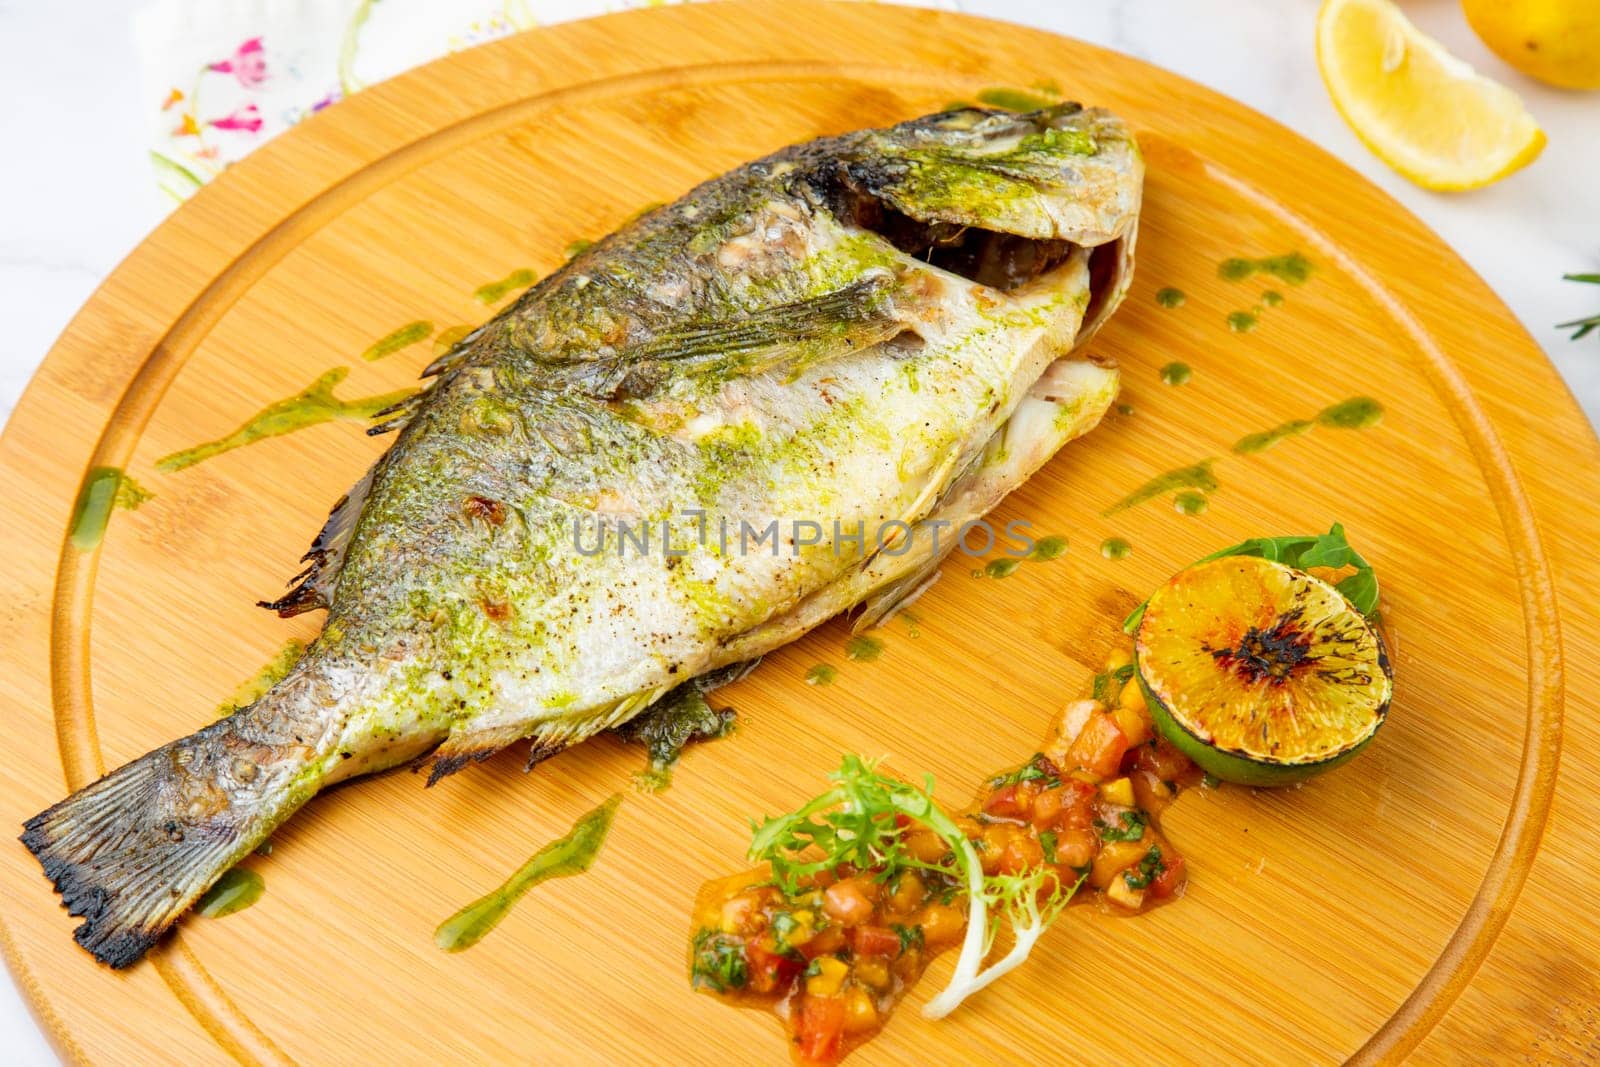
pixel 1421 899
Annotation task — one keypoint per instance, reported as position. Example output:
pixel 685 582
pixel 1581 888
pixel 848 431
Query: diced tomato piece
pixel 770 971
pixel 1099 747
pixel 1170 880
pixel 1021 853
pixel 1047 808
pixel 875 941
pixel 1077 805
pixel 1162 759
pixel 850 901
pixel 1149 792
pixel 820 1025
pixel 825 942
pixel 1076 847
pixel 1013 801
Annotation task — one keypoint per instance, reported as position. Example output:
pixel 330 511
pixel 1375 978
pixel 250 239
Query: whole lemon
pixel 1556 41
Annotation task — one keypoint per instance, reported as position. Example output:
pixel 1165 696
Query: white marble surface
pixel 76 194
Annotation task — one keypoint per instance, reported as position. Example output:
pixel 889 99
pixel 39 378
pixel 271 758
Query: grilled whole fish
pixel 866 338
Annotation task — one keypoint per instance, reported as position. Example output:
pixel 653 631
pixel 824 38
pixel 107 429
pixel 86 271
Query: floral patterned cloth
pixel 223 76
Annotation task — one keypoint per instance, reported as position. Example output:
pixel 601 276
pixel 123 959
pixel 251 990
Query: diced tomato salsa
pixel 833 959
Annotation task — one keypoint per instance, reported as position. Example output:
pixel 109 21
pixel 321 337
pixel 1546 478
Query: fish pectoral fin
pixel 313 587
pixel 472 741
pixel 797 335
pixel 884 603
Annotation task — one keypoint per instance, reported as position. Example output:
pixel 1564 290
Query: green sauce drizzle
pixel 1241 321
pixel 1357 413
pixel 103 489
pixel 1004 567
pixel 577 248
pixel 234 891
pixel 1260 442
pixel 863 648
pixel 404 337
pixel 821 674
pixel 1197 476
pixel 569 855
pixel 1291 268
pixel 1272 298
pixel 253 688
pixel 1048 548
pixel 449 337
pixel 1124 409
pixel 1014 99
pixel 494 292
pixel 1169 297
pixel 1190 502
pixel 1115 548
pixel 312 406
pixel 1176 373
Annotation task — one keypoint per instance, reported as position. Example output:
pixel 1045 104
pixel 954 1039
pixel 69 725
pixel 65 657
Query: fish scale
pixel 872 333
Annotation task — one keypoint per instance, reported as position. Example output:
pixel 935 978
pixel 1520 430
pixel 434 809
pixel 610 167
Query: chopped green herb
pixel 910 937
pixel 718 962
pixel 783 924
pixel 1032 771
pixel 679 719
pixel 1148 870
pixel 1047 843
pixel 1132 828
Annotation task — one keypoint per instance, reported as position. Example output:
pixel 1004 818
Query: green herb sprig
pixel 1581 327
pixel 1329 550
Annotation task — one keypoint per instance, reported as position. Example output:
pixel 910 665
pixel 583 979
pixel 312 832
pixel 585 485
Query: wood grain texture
pixel 1419 901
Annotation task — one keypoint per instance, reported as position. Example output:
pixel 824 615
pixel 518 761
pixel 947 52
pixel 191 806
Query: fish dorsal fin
pixel 794 335
pixel 313 587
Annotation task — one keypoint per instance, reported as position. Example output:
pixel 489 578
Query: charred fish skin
pixel 847 333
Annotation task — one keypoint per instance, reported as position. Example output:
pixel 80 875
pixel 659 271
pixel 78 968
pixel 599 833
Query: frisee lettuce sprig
pixel 855 823
pixel 1302 552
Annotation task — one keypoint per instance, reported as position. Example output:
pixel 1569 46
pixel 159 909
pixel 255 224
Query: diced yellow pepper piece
pixel 1119 892
pixel 1118 791
pixel 829 978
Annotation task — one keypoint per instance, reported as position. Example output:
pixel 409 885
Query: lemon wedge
pixel 1421 110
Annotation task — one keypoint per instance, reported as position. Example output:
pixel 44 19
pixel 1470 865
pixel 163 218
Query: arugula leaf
pixel 1329 550
pixel 1132 827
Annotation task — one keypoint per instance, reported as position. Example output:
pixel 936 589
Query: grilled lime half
pixel 1260 673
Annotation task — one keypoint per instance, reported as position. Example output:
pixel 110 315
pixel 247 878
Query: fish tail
pixel 131 852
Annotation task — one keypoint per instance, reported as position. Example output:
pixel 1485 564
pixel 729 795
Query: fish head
pixel 1002 197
